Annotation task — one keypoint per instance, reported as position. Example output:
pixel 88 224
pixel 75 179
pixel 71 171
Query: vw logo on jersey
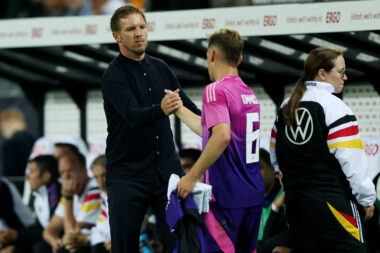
pixel 302 132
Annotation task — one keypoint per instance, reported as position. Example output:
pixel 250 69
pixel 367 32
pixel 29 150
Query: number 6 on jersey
pixel 251 137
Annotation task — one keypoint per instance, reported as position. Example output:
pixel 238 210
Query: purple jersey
pixel 235 177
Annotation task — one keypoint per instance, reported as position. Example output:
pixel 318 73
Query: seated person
pixel 17 145
pixel 188 158
pixel 13 213
pixel 273 233
pixel 100 237
pixel 43 176
pixel 64 148
pixel 79 207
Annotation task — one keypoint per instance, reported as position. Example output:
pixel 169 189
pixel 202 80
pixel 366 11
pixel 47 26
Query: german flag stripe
pixel 104 213
pixel 347 225
pixel 357 143
pixel 89 207
pixel 351 219
pixel 274 134
pixel 349 131
pixel 92 196
pixel 343 120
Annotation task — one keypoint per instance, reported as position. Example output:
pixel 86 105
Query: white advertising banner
pixel 194 24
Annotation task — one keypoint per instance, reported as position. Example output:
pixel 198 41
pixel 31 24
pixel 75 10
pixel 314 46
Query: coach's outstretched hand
pixel 171 102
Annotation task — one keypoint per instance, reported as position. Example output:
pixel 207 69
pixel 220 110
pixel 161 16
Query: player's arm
pixel 69 220
pixel 344 143
pixel 52 232
pixel 192 120
pixel 218 142
pixel 70 223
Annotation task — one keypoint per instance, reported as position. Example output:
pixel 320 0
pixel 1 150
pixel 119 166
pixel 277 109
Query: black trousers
pixel 331 225
pixel 128 202
pixel 98 248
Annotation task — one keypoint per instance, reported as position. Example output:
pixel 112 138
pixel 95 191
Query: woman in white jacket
pixel 316 144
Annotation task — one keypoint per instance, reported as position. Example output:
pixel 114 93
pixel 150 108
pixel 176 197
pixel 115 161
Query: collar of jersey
pixel 227 77
pixel 41 191
pixel 320 85
pixel 129 61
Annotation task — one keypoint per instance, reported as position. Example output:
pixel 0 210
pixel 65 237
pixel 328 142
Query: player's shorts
pixel 232 230
pixel 332 225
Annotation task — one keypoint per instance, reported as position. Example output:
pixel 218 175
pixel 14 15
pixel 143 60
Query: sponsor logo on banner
pixel 208 23
pixel 182 26
pixel 332 17
pixel 151 26
pixel 91 29
pixel 270 20
pixel 37 32
pixel 371 149
pixel 302 132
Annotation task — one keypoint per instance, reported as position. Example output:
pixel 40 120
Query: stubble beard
pixel 137 52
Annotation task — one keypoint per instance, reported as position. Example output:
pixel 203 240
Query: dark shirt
pixel 7 211
pixel 15 153
pixel 139 135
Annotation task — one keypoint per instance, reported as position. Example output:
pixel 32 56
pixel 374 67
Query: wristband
pixel 67 197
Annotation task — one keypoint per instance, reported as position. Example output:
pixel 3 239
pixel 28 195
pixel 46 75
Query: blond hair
pixel 11 114
pixel 230 43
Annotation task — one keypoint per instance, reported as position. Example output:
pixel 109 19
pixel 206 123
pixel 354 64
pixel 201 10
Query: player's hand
pixel 186 185
pixel 56 245
pixel 8 236
pixel 7 249
pixel 281 249
pixel 171 102
pixel 368 212
pixel 69 187
pixel 107 245
pixel 73 240
pixel 280 200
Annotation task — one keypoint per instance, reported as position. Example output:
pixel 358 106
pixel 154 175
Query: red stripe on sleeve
pixel 90 197
pixel 104 213
pixel 349 131
pixel 274 134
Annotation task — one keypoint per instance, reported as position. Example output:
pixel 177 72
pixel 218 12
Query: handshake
pixel 171 102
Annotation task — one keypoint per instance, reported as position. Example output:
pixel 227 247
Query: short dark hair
pixel 70 146
pixel 265 156
pixel 230 43
pixel 100 160
pixel 47 163
pixel 81 159
pixel 191 153
pixel 122 12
